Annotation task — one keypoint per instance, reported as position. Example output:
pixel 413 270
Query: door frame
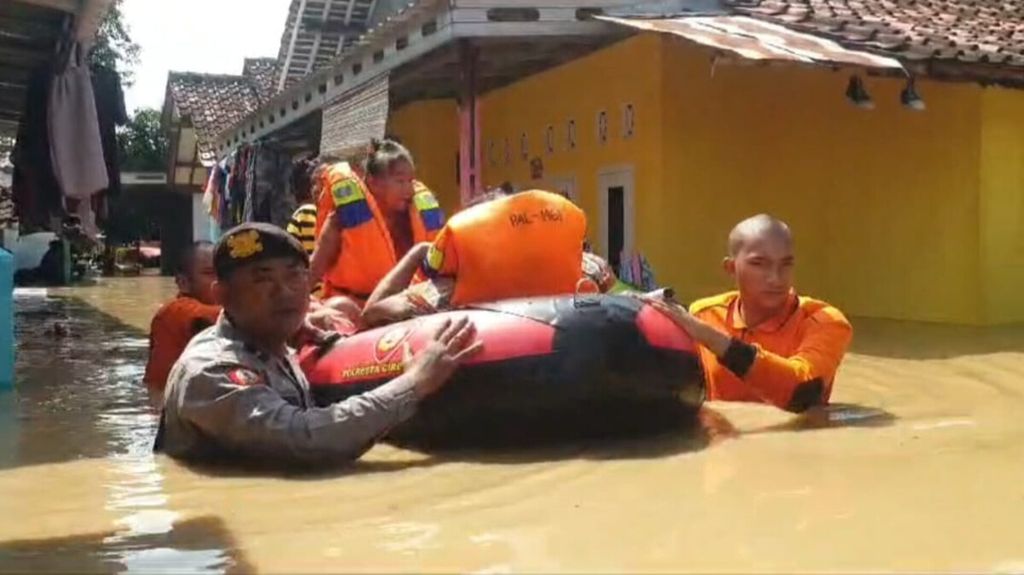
pixel 617 176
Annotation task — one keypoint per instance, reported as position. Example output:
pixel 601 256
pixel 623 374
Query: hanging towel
pixel 75 145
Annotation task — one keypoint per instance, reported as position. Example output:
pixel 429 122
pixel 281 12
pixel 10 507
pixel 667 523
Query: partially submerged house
pixel 197 108
pixel 888 134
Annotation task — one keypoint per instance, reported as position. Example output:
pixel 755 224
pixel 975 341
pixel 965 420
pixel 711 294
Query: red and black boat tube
pixel 591 364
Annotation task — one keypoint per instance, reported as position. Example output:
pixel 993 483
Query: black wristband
pixel 739 357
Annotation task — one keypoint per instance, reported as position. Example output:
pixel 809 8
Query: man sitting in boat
pixel 500 247
pixel 763 342
pixel 368 226
pixel 237 390
pixel 179 320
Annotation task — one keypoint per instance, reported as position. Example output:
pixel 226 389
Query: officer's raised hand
pixel 452 343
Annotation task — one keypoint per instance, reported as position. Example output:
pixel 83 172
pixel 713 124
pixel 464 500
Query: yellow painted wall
pixel 430 129
pixel 1002 204
pixel 897 214
pixel 883 203
pixel 625 73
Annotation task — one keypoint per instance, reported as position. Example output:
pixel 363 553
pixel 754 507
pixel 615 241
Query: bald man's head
pixel 761 226
pixel 195 273
pixel 761 263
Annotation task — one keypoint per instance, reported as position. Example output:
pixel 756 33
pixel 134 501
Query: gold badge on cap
pixel 245 244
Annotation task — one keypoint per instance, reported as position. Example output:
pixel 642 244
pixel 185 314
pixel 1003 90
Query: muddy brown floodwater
pixel 919 466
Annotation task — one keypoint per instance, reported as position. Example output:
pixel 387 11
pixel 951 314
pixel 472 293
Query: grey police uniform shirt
pixel 225 398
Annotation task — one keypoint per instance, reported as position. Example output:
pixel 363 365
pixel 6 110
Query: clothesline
pixel 252 184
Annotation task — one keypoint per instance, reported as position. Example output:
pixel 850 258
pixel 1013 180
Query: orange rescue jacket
pixel 172 328
pixel 367 250
pixel 323 178
pixel 789 361
pixel 524 245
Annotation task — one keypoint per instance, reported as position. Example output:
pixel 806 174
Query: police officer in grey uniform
pixel 237 390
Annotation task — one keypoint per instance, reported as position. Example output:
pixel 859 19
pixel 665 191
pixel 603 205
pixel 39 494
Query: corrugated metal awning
pixel 350 122
pixel 758 40
pixel 316 32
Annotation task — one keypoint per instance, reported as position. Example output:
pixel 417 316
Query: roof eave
pixel 168 110
pixel 377 52
pixel 314 91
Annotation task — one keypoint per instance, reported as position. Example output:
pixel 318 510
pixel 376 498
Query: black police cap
pixel 252 242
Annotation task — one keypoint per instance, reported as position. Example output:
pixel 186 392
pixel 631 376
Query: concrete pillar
pixel 470 182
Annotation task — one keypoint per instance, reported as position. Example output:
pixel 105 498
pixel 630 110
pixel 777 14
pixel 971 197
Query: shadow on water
pixel 201 545
pixel 688 432
pixel 241 468
pixel 923 341
pixel 691 433
pixel 601 435
pixel 657 433
pixel 834 416
pixel 78 391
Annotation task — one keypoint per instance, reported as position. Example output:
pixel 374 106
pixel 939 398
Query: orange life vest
pixel 525 245
pixel 367 249
pixel 173 326
pixel 324 177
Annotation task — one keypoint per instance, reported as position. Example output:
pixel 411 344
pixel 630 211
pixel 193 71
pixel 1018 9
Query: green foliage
pixel 142 143
pixel 114 48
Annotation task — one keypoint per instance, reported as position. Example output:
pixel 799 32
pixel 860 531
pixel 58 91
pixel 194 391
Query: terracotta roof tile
pixel 263 71
pixel 213 102
pixel 964 31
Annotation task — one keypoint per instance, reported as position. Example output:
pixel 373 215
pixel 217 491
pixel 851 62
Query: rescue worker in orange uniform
pixel 180 319
pixel 500 247
pixel 763 342
pixel 371 226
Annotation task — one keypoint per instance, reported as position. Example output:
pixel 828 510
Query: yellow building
pixel 666 143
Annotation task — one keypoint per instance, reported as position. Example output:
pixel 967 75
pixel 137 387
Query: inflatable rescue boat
pixel 583 364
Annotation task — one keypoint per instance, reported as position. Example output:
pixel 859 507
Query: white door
pixel 616 212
